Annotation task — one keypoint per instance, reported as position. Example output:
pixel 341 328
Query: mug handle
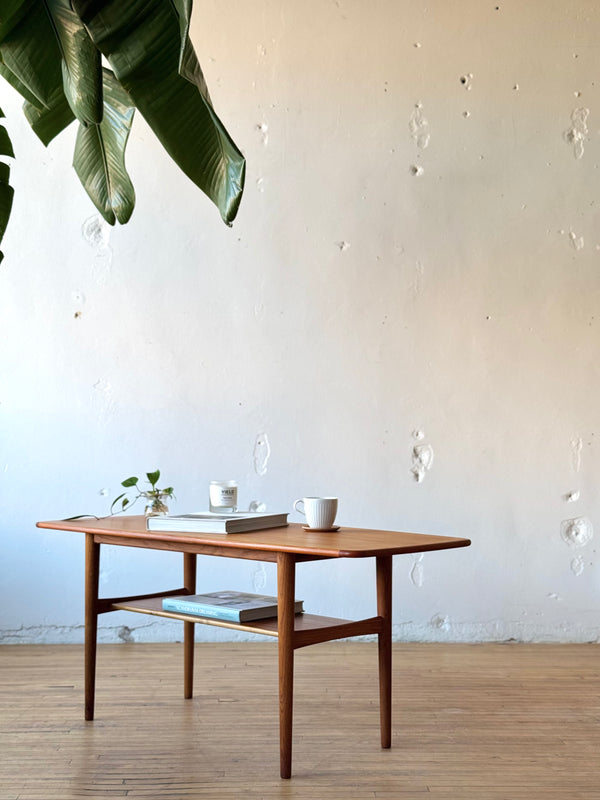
pixel 300 510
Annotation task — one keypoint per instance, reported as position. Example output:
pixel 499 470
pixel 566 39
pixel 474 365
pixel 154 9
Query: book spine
pixel 183 607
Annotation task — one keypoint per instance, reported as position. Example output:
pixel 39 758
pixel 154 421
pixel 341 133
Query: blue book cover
pixel 227 605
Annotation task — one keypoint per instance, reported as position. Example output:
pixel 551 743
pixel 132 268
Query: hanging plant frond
pixel 6 191
pixel 50 52
pixel 81 63
pixel 176 106
pixel 100 155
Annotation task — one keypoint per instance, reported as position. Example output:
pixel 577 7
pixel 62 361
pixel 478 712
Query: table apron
pixel 202 549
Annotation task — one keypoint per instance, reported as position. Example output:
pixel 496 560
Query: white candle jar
pixel 222 497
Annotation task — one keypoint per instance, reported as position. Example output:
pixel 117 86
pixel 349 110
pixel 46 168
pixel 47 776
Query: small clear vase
pixel 156 505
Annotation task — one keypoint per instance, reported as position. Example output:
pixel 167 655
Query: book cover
pixel 227 605
pixel 210 522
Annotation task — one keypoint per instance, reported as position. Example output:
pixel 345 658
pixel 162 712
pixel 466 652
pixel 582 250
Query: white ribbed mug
pixel 319 511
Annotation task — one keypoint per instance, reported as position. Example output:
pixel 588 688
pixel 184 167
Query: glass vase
pixel 156 505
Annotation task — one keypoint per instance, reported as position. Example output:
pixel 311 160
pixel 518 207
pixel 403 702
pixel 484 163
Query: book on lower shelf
pixel 227 605
pixel 211 522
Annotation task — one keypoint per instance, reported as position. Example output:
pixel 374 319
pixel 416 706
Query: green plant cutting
pixel 154 496
pixel 156 499
pixel 51 52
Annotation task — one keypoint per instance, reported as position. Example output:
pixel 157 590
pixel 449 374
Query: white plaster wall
pixel 416 262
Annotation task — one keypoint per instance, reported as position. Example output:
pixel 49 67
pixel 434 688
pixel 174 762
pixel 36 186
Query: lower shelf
pixel 308 628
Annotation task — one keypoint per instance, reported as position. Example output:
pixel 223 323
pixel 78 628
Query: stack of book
pixel 209 522
pixel 226 605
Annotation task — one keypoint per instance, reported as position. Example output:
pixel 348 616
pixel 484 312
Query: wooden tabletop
pixel 345 543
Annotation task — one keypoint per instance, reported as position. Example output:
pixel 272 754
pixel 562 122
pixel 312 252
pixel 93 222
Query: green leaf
pixel 11 13
pixel 99 158
pixel 30 51
pixel 153 477
pixel 115 501
pixel 6 148
pixel 81 64
pixel 6 191
pixel 49 122
pixel 32 65
pixel 147 64
pixel 6 201
pixel 17 84
pixel 125 503
pixel 128 482
pixel 189 67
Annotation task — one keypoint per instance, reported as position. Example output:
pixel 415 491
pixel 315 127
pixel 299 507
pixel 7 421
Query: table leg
pixel 189 581
pixel 384 610
pixel 92 573
pixel 286 579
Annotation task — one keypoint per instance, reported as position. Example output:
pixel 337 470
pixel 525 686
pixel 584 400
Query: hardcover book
pixel 211 522
pixel 227 605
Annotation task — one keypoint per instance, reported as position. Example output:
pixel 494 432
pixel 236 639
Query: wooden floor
pixel 479 722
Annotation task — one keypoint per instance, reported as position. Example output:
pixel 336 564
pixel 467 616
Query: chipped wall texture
pixel 405 315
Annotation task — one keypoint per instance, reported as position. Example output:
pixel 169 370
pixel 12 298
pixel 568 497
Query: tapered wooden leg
pixel 384 610
pixel 92 572
pixel 189 581
pixel 286 579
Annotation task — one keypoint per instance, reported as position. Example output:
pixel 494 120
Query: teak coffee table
pixel 284 546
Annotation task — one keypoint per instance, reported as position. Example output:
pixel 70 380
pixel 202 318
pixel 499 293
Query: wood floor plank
pixel 470 722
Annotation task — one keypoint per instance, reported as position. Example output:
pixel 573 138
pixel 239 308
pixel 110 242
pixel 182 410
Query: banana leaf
pixel 48 122
pixel 99 158
pixel 189 67
pixel 145 41
pixel 6 199
pixel 31 53
pixel 81 63
pixel 50 52
pixel 6 148
pixel 11 13
pixel 6 191
pixel 16 83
